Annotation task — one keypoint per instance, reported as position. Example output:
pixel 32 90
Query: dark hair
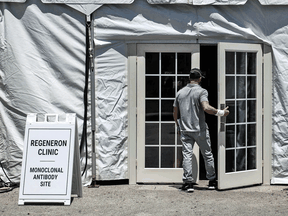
pixel 195 73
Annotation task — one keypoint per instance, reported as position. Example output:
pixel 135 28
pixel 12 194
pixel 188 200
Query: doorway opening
pixel 208 65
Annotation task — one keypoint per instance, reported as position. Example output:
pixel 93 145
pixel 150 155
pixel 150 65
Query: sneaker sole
pixel 190 190
pixel 211 188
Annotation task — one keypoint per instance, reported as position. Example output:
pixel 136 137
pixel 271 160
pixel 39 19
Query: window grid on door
pixel 162 85
pixel 241 122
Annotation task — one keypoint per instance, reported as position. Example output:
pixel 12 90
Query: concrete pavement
pixel 142 200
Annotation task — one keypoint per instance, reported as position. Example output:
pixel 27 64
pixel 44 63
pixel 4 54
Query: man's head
pixel 195 74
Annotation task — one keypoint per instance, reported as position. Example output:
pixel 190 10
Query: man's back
pixel 188 100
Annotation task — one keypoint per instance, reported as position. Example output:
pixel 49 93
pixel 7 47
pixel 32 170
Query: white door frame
pixel 145 174
pixel 132 120
pixel 246 177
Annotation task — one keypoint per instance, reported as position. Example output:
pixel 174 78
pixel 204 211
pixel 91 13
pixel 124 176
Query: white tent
pixel 43 60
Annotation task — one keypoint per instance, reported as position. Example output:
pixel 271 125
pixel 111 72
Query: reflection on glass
pixel 167 110
pixel 230 63
pixel 230 87
pixel 251 135
pixel 179 157
pixel 241 86
pixel 240 159
pixel 231 117
pixel 152 134
pixel 151 157
pixel 167 157
pixel 251 111
pixel 241 111
pixel 168 134
pixel 230 136
pixel 251 87
pixel 183 63
pixel 152 63
pixel 167 63
pixel 152 87
pixel 251 158
pixel 167 87
pixel 241 135
pixel 240 63
pixel 152 110
pixel 251 63
pixel 181 82
pixel 230 161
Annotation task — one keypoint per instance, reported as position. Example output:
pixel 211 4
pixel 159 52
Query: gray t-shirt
pixel 188 100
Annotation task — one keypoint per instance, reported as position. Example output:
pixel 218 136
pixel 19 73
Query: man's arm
pixel 211 110
pixel 175 115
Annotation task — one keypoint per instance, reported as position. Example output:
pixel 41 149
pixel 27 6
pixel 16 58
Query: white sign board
pixel 50 160
pixel 88 1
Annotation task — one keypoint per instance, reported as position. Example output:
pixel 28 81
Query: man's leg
pixel 187 152
pixel 204 143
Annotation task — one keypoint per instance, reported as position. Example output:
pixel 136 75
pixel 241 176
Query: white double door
pixel 162 70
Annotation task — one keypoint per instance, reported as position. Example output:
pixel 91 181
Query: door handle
pixel 222 119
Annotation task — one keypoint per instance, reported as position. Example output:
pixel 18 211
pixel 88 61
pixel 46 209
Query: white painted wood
pixel 267 118
pixel 248 177
pixel 158 174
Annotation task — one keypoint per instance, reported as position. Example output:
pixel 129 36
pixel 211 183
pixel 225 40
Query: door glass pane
pixel 168 87
pixel 251 111
pixel 241 97
pixel 251 135
pixel 230 161
pixel 240 159
pixel 251 158
pixel 168 157
pixel 168 134
pixel 167 63
pixel 241 86
pixel 251 62
pixel 167 110
pixel 161 141
pixel 251 87
pixel 230 87
pixel 151 135
pixel 240 63
pixel 230 62
pixel 152 110
pixel 183 63
pixel 152 63
pixel 241 111
pixel 241 135
pixel 181 82
pixel 152 157
pixel 152 87
pixel 230 136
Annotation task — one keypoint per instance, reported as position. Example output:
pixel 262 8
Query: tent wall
pixel 42 68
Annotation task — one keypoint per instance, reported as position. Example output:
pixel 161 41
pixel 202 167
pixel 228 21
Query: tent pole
pixel 92 79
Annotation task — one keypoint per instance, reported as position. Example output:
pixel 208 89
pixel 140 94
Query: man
pixel 189 106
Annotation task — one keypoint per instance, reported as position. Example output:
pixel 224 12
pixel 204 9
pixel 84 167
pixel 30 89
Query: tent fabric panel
pixel 217 2
pixel 199 2
pixel 42 70
pixel 86 9
pixel 111 111
pixel 14 1
pixel 251 21
pixel 88 1
pixel 273 2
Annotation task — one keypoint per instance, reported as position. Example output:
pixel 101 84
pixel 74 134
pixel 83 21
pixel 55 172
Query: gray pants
pixel 202 138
